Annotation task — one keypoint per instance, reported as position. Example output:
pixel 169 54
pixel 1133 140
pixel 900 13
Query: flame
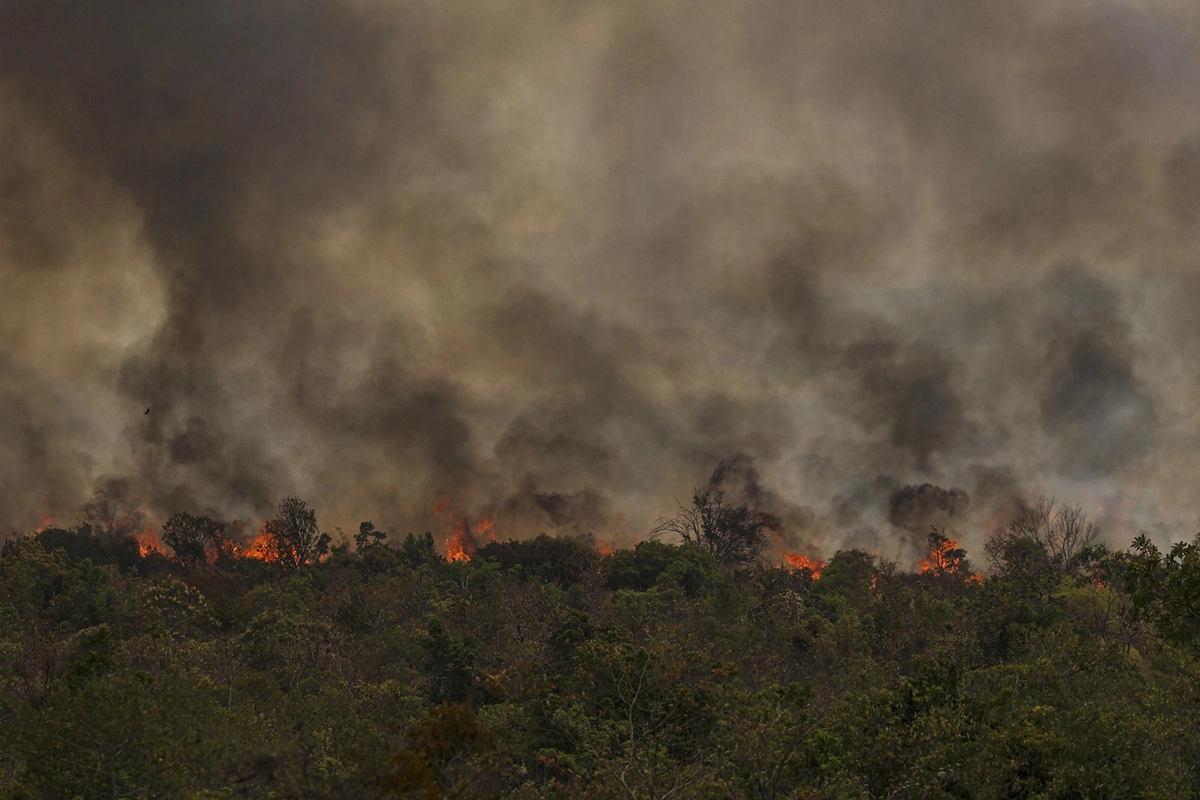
pixel 148 542
pixel 47 522
pixel 260 548
pixel 601 546
pixel 943 559
pixel 464 541
pixel 456 546
pixel 223 547
pixel 798 561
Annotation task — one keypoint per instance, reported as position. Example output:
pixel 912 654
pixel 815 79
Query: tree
pixel 446 756
pixel 1166 588
pixel 114 511
pixel 564 561
pixel 293 538
pixel 650 562
pixel 735 535
pixel 1063 532
pixel 369 536
pixel 190 537
pixel 449 665
pixel 418 551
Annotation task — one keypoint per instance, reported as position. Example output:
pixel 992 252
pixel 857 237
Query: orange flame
pixel 944 559
pixel 223 547
pixel 604 548
pixel 941 558
pixel 797 561
pixel 464 541
pixel 259 548
pixel 148 542
pixel 456 546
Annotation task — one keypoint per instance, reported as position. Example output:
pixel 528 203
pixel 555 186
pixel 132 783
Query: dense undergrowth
pixel 544 669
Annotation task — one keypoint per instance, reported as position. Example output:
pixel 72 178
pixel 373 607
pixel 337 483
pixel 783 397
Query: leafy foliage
pixel 1166 588
pixel 544 669
pixel 190 537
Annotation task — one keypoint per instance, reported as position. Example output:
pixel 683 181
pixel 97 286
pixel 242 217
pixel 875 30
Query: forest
pixel 693 665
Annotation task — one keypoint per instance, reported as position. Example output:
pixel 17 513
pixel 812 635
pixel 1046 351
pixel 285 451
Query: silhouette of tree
pixel 1064 533
pixel 369 536
pixel 190 537
pixel 735 535
pixel 114 511
pixel 293 536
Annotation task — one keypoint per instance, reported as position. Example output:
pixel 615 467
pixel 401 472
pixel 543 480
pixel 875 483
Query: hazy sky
pixel 558 262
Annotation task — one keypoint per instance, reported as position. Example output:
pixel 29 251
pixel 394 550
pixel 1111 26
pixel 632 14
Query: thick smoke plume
pixel 558 262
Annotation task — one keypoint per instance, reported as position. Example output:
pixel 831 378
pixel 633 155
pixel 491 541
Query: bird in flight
pixel 147 412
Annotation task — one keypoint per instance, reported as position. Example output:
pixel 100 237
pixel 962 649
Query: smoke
pixel 559 262
pixel 918 509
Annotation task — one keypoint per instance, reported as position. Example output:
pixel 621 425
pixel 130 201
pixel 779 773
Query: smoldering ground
pixel 558 261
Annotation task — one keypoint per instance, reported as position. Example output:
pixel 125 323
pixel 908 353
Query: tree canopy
pixel 546 668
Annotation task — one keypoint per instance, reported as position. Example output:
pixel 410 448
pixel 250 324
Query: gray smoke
pixel 560 262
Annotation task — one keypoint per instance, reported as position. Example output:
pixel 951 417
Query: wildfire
pixel 945 557
pixel 148 542
pixel 798 561
pixel 464 541
pixel 604 548
pixel 259 548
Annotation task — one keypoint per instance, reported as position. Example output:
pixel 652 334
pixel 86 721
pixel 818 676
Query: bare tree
pixel 114 511
pixel 735 535
pixel 1062 532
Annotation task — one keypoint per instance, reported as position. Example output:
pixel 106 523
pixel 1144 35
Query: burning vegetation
pixel 148 542
pixel 466 539
pixel 946 558
pixel 801 562
pixel 736 536
pixel 570 621
pixel 545 624
pixel 556 259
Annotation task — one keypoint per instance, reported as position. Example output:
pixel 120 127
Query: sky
pixel 558 264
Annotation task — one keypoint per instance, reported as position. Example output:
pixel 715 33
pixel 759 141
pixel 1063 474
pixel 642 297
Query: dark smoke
pixel 918 508
pixel 559 262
